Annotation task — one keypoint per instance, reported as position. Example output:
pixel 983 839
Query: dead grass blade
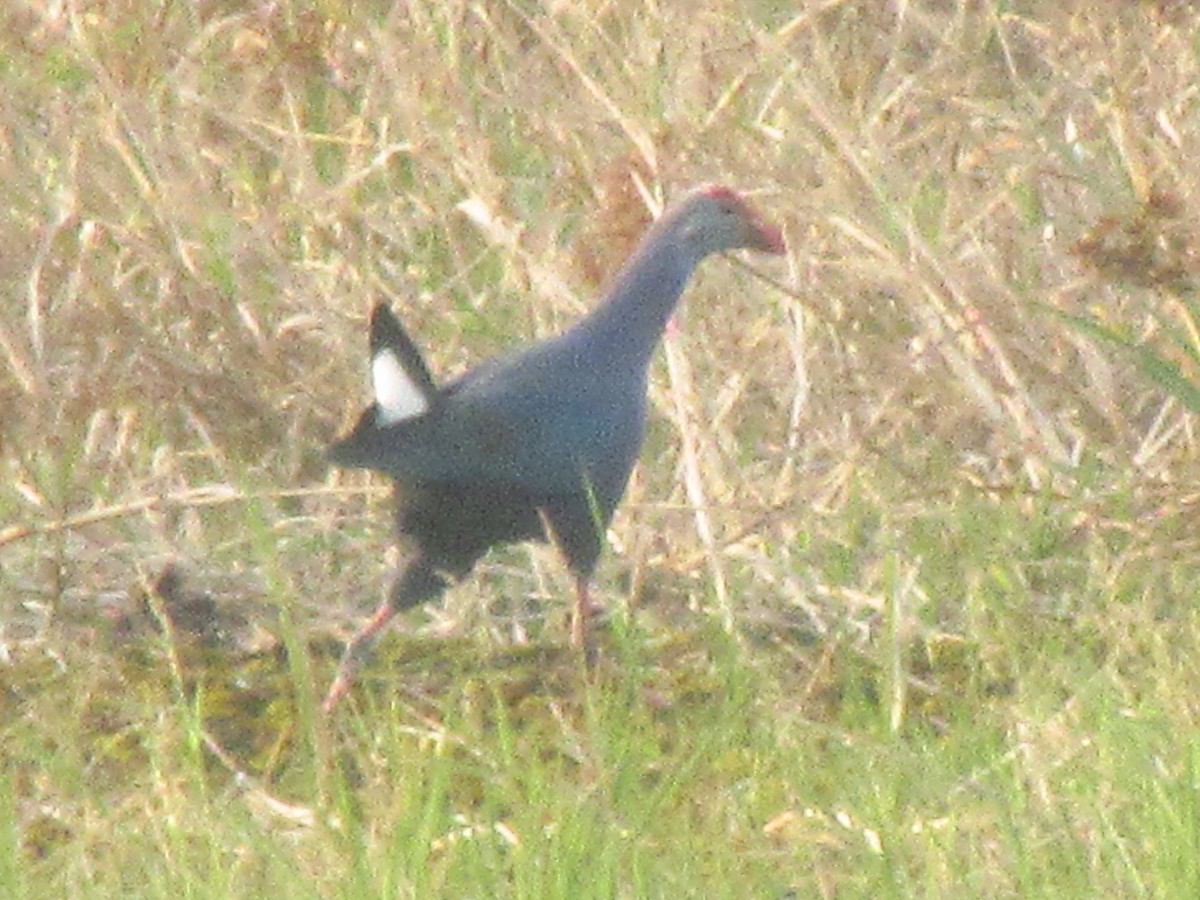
pixel 210 495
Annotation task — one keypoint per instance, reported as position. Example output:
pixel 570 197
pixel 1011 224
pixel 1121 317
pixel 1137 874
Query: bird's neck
pixel 628 324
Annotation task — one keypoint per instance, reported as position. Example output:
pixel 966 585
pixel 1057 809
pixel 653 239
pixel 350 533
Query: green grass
pixel 913 615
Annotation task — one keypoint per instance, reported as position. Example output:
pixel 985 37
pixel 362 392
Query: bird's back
pixel 554 417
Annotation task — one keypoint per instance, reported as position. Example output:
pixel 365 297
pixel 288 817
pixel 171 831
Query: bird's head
pixel 715 218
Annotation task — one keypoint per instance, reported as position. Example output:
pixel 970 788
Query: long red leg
pixel 583 611
pixel 357 651
pixel 415 583
pixel 583 601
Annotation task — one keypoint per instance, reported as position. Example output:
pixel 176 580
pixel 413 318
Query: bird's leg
pixel 356 651
pixel 583 612
pixel 583 605
pixel 416 583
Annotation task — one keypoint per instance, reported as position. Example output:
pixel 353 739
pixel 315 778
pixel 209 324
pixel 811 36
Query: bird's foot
pixel 337 690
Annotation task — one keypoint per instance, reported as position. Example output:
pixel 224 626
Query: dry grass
pixel 878 461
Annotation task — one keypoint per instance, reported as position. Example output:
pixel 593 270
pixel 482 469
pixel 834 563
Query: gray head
pixel 714 218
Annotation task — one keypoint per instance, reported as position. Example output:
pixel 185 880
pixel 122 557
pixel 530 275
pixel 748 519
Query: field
pixel 902 600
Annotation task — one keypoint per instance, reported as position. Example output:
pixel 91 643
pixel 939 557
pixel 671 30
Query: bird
pixel 536 444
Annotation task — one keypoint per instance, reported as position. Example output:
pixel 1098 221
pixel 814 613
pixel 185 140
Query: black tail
pixel 403 386
pixel 388 334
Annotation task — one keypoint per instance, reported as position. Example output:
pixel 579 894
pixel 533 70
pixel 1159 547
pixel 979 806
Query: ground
pixel 902 599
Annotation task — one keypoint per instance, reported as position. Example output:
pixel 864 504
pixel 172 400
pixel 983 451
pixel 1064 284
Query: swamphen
pixel 535 444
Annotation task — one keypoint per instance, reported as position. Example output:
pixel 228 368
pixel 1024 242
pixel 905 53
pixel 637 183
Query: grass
pixel 903 594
